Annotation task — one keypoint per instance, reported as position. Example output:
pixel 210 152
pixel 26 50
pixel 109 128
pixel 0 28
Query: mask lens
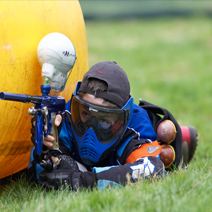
pixel 107 123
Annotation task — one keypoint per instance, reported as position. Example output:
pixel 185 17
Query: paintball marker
pixel 45 110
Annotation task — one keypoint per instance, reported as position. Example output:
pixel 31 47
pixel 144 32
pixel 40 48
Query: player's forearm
pixel 142 168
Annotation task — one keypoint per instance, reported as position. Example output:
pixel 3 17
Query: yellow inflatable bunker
pixel 23 24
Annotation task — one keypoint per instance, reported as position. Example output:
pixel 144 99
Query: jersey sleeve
pixel 65 135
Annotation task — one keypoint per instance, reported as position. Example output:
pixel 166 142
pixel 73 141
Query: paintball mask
pixel 97 130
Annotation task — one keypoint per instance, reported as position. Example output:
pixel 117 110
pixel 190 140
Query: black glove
pixel 67 174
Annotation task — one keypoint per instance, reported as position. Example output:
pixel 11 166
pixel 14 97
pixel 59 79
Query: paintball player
pixel 105 139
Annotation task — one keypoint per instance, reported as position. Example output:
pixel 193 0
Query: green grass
pixel 109 9
pixel 169 63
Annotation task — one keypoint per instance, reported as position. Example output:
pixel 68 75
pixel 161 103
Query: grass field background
pixel 113 9
pixel 169 63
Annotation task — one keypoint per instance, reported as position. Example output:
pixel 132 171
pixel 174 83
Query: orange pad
pixel 145 151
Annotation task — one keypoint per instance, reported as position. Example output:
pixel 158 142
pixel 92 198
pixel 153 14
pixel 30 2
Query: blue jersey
pixel 114 168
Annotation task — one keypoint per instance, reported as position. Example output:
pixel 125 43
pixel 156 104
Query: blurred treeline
pixel 124 9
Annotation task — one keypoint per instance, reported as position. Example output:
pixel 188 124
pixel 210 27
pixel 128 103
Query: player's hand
pixel 48 140
pixel 67 174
